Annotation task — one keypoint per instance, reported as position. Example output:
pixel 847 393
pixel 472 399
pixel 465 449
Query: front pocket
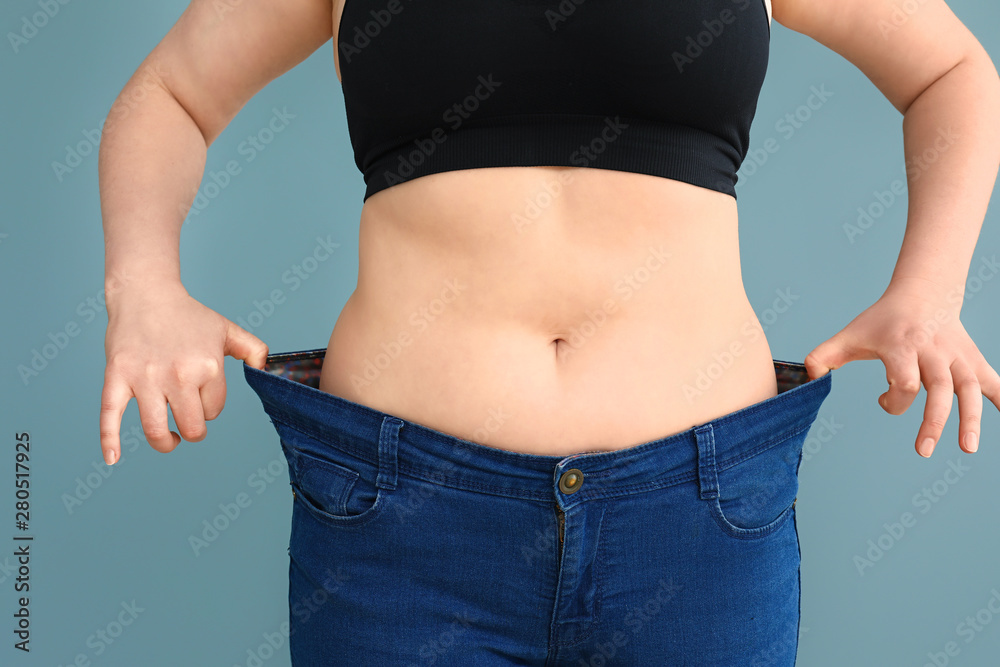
pixel 334 486
pixel 327 485
pixel 332 492
pixel 757 495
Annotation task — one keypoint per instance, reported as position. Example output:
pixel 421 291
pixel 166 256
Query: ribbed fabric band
pixel 678 152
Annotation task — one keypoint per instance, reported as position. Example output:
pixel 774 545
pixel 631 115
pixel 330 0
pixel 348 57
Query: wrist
pixel 121 284
pixel 938 293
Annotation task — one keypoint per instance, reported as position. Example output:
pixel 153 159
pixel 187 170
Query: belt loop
pixel 388 438
pixel 708 481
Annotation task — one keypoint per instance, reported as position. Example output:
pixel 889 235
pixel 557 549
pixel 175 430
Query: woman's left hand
pixel 914 329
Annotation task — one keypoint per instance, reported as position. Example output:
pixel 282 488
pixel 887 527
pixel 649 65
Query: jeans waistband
pixel 288 390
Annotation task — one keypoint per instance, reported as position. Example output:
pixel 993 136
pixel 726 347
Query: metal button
pixel 571 481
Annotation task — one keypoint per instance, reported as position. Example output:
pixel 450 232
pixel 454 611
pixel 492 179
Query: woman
pixel 547 428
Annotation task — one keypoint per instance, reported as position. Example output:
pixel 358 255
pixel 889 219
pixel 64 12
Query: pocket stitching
pixel 749 533
pixel 347 521
pixel 305 460
pixel 760 531
pixel 351 477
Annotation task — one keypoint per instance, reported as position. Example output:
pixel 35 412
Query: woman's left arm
pixel 935 72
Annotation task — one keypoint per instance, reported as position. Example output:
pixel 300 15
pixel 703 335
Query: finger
pixel 213 396
pixel 153 417
pixel 936 375
pixel 989 381
pixel 185 404
pixel 831 355
pixel 241 344
pixel 114 399
pixel 902 372
pixel 970 405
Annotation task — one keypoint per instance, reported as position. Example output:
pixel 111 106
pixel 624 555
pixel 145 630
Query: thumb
pixel 241 344
pixel 830 355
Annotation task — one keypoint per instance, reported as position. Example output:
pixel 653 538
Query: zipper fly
pixel 560 516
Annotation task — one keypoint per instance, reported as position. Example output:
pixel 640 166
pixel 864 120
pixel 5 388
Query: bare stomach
pixel 549 310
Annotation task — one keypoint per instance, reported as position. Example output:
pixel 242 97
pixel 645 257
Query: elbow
pixel 989 86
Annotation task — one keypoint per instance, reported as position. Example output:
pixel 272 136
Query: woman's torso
pixel 549 310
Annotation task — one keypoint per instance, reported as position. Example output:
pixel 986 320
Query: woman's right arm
pixel 163 347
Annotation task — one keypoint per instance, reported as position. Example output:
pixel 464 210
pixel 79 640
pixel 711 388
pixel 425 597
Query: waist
pixel 614 315
pixel 287 389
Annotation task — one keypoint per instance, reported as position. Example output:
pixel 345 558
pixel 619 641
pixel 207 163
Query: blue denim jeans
pixel 411 547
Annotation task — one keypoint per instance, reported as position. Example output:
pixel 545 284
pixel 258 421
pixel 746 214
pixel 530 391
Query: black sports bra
pixel 661 87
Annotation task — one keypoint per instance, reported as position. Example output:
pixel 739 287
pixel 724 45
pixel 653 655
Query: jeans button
pixel 571 480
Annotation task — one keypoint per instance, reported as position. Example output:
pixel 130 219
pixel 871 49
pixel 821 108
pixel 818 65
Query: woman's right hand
pixel 164 347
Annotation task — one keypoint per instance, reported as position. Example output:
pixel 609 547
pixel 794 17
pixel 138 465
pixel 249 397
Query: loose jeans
pixel 411 547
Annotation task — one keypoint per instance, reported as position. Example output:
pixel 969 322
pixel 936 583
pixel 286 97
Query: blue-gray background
pixel 124 539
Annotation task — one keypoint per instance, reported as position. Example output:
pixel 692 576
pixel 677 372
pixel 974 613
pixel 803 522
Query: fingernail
pixel 971 442
pixel 926 447
pixel 109 457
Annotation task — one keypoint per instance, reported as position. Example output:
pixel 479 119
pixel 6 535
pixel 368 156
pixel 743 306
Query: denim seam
pixel 749 533
pixel 306 462
pixel 598 592
pixel 352 521
pixel 342 443
pixel 414 472
pixel 418 472
pixel 323 516
pixel 770 443
pixel 631 489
